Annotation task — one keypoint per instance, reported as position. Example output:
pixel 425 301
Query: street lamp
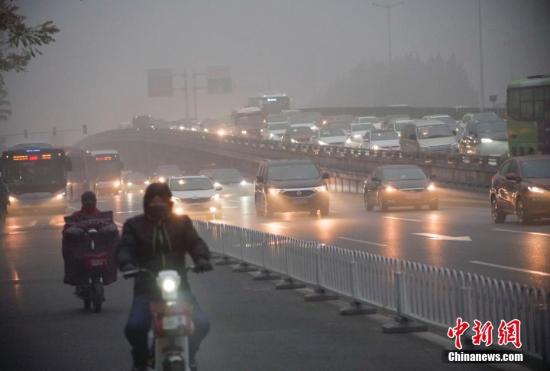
pixel 388 8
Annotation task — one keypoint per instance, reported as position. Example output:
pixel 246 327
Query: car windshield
pixel 485 116
pixel 361 127
pixel 300 130
pixel 539 168
pixel 191 184
pixel 293 172
pixel 367 119
pixel 491 127
pixel 331 132
pixel 434 131
pixel 403 173
pixel 383 135
pixel 277 126
pixel 446 119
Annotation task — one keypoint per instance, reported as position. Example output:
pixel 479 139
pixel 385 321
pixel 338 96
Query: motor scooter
pixel 96 263
pixel 172 323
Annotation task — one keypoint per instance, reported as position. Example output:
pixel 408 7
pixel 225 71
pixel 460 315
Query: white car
pixel 274 130
pixel 195 194
pixel 331 137
pixel 378 140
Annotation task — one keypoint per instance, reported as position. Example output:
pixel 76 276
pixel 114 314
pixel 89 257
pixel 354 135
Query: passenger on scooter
pixel 157 240
pixel 71 235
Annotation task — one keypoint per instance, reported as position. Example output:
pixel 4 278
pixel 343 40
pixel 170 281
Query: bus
pixel 107 172
pixel 528 110
pixel 248 121
pixel 36 174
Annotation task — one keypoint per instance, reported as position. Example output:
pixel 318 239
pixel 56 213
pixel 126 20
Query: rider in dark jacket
pixel 157 240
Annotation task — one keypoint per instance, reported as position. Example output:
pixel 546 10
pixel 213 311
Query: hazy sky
pixel 95 73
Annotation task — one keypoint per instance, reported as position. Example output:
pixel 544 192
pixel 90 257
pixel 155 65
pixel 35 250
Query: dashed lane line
pixel 538 273
pixel 362 241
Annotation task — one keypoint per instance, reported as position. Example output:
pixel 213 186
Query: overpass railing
pixel 433 295
pixel 466 171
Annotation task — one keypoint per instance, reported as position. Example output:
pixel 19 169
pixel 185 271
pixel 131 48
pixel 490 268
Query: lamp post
pixel 388 8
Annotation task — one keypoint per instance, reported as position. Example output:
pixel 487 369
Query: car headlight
pixel 375 147
pixel 535 189
pixel 162 179
pixel 348 141
pixel 244 132
pixel 12 199
pixel 178 211
pixel 175 199
pixel 217 185
pixel 213 209
pixel 243 182
pixel 431 187
pixel 274 191
pixel 147 182
pixel 322 188
pixel 390 189
pixel 116 183
pixel 292 140
pixel 486 140
pixel 357 136
pixel 216 197
pixel 322 143
pixel 129 184
pixel 59 196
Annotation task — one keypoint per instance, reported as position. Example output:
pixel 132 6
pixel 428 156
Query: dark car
pixel 399 185
pixel 298 134
pixel 521 187
pixel 290 185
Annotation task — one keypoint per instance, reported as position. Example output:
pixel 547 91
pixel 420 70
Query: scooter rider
pixel 156 240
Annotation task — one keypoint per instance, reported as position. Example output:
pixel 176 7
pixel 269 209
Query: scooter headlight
pixel 12 199
pixel 169 285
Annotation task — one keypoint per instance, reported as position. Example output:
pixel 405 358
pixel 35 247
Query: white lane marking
pixel 404 219
pixel 128 212
pixel 362 241
pixel 510 268
pixel 523 232
pixel 442 237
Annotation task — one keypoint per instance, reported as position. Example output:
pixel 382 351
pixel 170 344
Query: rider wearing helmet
pixel 157 240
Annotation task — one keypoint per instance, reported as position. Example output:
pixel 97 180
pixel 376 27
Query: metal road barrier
pixel 467 171
pixel 432 295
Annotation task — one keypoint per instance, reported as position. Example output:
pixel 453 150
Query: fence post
pixel 543 318
pixel 319 293
pixel 224 259
pixel 264 274
pixel 401 324
pixel 288 283
pixel 243 266
pixel 355 306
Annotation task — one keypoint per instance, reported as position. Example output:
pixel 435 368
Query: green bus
pixel 528 109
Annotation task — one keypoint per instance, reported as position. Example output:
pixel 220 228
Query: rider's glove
pixel 202 265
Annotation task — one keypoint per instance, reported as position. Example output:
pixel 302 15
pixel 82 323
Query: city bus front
pixel 36 179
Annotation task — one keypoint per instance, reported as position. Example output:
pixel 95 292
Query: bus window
pixel 513 103
pixel 526 98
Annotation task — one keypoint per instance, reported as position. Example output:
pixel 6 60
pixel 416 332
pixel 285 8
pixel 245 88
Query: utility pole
pixel 194 76
pixel 481 67
pixel 186 94
pixel 388 8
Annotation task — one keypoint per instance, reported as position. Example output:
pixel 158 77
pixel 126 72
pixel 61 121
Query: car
pixel 290 185
pixel 164 172
pixel 298 134
pixel 427 136
pixel 360 129
pixel 521 187
pixel 382 140
pixel 224 176
pixel 274 130
pixel 485 138
pixel 399 185
pixel 134 182
pixel 194 194
pixel 331 136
